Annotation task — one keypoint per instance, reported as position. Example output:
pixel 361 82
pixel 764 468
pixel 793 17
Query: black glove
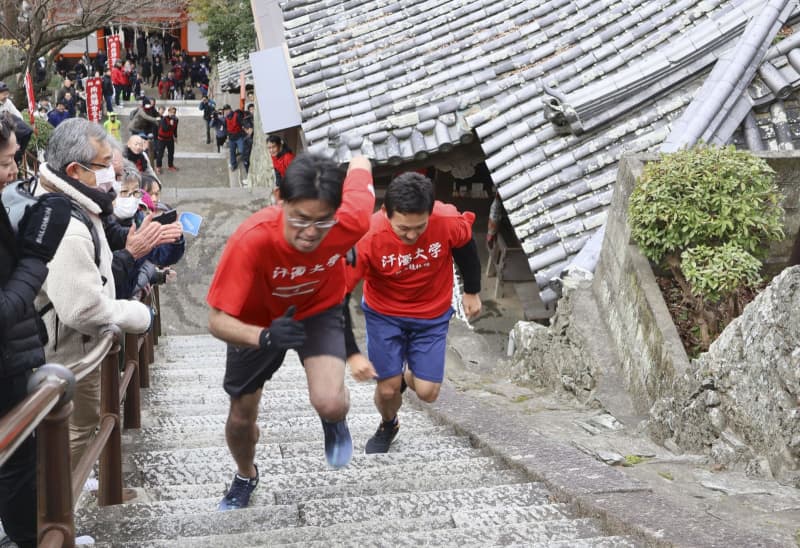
pixel 43 226
pixel 284 333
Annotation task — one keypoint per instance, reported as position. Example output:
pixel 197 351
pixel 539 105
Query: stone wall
pixel 741 401
pixel 262 174
pixel 651 353
pixel 787 167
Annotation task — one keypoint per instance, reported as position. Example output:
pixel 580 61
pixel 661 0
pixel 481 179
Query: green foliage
pixel 715 273
pixel 42 134
pixel 229 30
pixel 705 196
pixel 706 214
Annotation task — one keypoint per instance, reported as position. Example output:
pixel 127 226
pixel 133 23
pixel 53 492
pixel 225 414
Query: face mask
pixel 105 178
pixel 125 208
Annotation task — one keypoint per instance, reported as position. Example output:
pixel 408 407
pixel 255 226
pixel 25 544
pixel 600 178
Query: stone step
pixel 329 512
pixel 289 394
pixel 595 542
pixel 325 483
pixel 274 428
pixel 165 520
pixel 333 534
pixel 134 527
pixel 195 457
pixel 272 411
pixel 258 540
pixel 221 470
pixel 291 535
pixel 287 490
pixel 209 430
pixel 527 534
pixel 290 419
pixel 186 378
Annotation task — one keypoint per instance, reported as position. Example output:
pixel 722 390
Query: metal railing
pixel 47 409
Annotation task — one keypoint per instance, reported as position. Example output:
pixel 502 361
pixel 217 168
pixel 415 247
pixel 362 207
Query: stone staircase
pixel 433 488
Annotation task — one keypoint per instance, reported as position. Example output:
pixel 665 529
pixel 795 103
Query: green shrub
pixel 42 133
pixel 706 214
pixel 718 272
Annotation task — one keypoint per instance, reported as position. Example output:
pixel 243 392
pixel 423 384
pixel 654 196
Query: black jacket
pixel 22 333
pixel 122 265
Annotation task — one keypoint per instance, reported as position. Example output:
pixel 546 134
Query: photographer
pixel 23 268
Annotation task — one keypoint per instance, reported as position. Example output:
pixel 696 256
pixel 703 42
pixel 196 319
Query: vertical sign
pixel 114 49
pixel 242 92
pixel 94 99
pixel 29 93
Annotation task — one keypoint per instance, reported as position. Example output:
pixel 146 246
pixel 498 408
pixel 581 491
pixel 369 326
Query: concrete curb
pixel 624 505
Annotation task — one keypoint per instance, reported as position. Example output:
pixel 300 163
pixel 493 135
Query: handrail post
pixel 133 394
pixel 144 366
pixel 110 489
pixel 54 475
pixel 146 353
pixel 157 316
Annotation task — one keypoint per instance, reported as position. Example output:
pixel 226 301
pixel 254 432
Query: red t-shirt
pixel 260 275
pixel 411 280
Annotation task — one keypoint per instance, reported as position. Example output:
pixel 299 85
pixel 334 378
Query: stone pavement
pixel 594 459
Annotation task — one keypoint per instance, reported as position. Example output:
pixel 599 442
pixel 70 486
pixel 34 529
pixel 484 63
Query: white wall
pixel 79 45
pixel 196 41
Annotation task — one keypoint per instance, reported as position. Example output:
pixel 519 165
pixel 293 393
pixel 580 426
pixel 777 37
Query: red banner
pixel 94 99
pixel 29 93
pixel 114 49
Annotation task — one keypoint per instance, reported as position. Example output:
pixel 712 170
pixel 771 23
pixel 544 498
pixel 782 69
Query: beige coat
pixel 81 293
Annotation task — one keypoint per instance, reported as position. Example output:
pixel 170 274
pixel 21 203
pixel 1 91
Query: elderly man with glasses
pixel 280 285
pixel 78 297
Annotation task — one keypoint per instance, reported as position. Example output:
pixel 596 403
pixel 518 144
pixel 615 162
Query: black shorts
pixel 247 369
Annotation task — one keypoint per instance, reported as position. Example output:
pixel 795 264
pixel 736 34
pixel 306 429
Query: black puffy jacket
pixel 21 339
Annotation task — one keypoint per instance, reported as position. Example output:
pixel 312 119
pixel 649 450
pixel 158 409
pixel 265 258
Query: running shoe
pixel 238 495
pixel 383 438
pixel 338 443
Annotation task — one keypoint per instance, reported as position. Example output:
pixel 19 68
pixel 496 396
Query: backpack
pixel 17 196
pixel 233 123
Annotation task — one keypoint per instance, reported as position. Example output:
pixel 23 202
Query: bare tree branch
pixel 42 27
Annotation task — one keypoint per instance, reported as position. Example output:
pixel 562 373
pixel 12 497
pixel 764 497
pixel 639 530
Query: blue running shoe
pixel 238 495
pixel 338 443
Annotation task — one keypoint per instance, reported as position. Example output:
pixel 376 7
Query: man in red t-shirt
pixel 406 261
pixel 280 285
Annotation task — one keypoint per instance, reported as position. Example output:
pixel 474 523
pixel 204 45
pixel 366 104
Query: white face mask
pixel 105 178
pixel 125 208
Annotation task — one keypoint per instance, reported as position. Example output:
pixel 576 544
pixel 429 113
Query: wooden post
pixel 110 491
pixel 133 394
pixel 54 475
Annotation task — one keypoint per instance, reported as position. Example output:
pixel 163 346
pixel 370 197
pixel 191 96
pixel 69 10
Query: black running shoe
pixel 238 495
pixel 383 438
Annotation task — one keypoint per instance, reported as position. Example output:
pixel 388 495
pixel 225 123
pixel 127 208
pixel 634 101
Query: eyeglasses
pixel 133 193
pixel 93 164
pixel 302 224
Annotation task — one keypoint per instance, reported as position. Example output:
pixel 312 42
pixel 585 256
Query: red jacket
pixel 168 129
pixel 282 162
pixel 118 77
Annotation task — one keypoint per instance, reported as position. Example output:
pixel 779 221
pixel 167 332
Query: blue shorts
pixel 394 340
